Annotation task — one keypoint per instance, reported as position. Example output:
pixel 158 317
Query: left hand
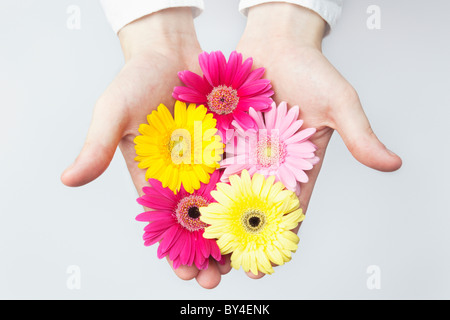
pixel 286 40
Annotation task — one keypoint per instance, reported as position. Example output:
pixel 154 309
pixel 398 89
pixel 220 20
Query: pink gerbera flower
pixel 228 89
pixel 278 147
pixel 175 222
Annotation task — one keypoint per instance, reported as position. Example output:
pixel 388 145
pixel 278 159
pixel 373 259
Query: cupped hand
pixel 286 40
pixel 156 48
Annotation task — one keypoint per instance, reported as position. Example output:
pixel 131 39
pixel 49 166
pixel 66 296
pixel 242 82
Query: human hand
pixel 286 40
pixel 156 48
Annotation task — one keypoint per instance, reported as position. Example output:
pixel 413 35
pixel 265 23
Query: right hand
pixel 156 47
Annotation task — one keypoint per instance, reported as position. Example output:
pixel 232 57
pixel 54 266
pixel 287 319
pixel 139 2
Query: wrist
pixel 165 31
pixel 280 22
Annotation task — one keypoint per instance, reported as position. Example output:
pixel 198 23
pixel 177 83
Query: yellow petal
pixel 222 198
pixel 257 183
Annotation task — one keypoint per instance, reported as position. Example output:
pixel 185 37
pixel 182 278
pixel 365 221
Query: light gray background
pixel 50 78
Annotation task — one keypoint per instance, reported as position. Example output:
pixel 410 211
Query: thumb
pixel 104 134
pixel 353 126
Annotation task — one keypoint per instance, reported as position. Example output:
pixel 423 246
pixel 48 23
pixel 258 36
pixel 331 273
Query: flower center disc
pixel 178 147
pixel 253 221
pixel 223 100
pixel 270 151
pixel 187 212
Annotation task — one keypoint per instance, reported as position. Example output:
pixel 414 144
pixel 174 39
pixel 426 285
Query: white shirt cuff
pixel 329 10
pixel 121 12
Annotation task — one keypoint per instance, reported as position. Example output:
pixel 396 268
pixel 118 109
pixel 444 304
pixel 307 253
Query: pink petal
pixel 281 115
pixel 215 251
pixel 297 154
pixel 254 75
pixel 286 177
pixel 257 103
pixel 303 147
pixel 221 64
pixel 169 239
pixel 254 88
pixel 157 189
pixel 298 173
pixel 155 202
pixel 244 120
pixel 200 260
pixel 291 130
pixel 159 225
pixel 192 250
pixel 209 70
pixel 298 190
pixel 178 246
pixel 194 81
pixel 233 64
pixel 242 73
pixel 314 160
pixel 258 117
pixel 203 245
pixel 176 263
pixel 203 265
pixel 154 216
pixel 301 136
pixel 270 118
pixel 223 122
pixel 291 116
pixel 299 163
pixel 188 95
pixel 152 238
pixel 186 251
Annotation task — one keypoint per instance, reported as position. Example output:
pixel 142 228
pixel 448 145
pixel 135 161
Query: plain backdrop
pixel 51 76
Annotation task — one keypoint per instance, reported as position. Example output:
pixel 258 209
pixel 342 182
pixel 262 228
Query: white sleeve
pixel 329 10
pixel 121 12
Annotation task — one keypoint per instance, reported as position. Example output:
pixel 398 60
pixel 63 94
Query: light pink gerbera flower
pixel 175 223
pixel 277 148
pixel 228 89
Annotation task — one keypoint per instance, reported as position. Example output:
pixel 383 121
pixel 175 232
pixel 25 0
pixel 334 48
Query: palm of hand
pixel 305 78
pixel 144 82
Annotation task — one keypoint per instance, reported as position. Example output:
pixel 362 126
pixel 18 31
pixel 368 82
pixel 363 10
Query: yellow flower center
pixel 178 147
pixel 223 100
pixel 270 151
pixel 253 221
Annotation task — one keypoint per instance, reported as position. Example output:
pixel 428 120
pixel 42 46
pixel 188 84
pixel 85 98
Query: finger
pixel 126 146
pixel 184 272
pixel 255 276
pixel 321 140
pixel 225 266
pixel 101 143
pixel 354 128
pixel 209 278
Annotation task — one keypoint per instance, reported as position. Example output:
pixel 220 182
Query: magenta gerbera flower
pixel 228 89
pixel 277 148
pixel 175 223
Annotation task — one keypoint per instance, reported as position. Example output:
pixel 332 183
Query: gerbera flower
pixel 252 220
pixel 278 147
pixel 228 89
pixel 179 151
pixel 175 223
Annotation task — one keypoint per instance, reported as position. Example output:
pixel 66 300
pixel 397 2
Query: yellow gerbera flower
pixel 182 150
pixel 252 220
